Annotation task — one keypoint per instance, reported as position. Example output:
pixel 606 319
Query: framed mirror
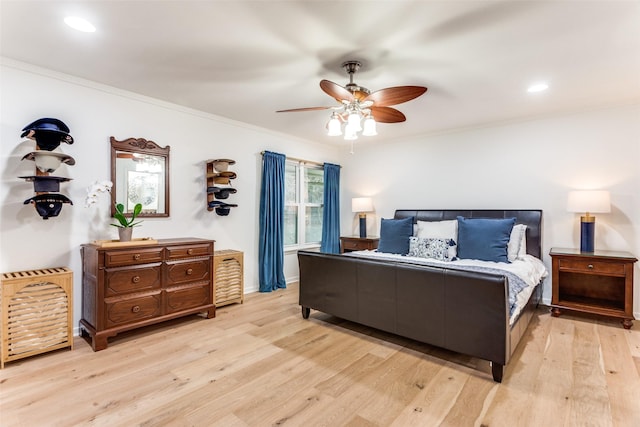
pixel 140 174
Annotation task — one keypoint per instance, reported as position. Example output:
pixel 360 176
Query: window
pixel 304 198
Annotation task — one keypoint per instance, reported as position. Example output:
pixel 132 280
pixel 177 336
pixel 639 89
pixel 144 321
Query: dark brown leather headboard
pixel 531 218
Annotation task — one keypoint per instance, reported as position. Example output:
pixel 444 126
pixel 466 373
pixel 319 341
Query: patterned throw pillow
pixel 425 247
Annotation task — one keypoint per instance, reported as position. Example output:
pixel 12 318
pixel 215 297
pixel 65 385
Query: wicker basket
pixel 36 307
pixel 228 280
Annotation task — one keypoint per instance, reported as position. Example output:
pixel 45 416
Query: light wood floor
pixel 261 364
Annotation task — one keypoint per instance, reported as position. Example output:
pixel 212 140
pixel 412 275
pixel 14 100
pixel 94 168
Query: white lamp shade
pixel 589 201
pixel 369 127
pixel 361 204
pixel 334 127
pixel 354 121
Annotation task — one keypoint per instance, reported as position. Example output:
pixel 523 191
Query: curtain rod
pixel 295 159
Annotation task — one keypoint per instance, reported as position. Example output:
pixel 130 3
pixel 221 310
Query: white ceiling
pixel 246 59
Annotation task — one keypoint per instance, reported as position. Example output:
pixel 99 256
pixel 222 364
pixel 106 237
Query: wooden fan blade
pixel 387 115
pixel 395 95
pixel 303 109
pixel 336 91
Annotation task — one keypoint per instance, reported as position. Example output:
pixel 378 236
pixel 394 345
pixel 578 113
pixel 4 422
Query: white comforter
pixel 529 268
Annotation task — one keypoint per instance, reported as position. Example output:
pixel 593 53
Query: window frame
pixel 300 169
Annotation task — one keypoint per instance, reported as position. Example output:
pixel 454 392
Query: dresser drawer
pixel 184 298
pixel 591 267
pixel 188 271
pixel 121 312
pixel 121 281
pixel 132 257
pixel 187 251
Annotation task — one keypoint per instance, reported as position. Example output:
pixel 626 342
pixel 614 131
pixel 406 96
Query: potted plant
pixel 125 225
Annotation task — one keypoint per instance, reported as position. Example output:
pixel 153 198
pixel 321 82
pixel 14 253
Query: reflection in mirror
pixel 140 174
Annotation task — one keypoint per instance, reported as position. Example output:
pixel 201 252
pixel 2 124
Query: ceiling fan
pixel 357 102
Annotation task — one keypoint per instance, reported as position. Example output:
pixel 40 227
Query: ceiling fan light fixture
pixel 334 125
pixel 369 126
pixel 354 121
pixel 350 133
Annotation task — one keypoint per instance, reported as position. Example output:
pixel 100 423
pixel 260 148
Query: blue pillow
pixel 394 235
pixel 484 238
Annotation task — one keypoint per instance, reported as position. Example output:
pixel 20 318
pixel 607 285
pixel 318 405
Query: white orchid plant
pixel 93 192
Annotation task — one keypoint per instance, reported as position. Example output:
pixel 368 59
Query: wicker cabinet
pixel 128 287
pixel 229 282
pixel 37 312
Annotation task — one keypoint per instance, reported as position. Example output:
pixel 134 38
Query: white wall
pixel 94 113
pixel 531 164
pixel 526 165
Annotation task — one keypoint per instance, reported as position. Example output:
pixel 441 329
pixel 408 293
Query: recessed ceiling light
pixel 538 87
pixel 79 24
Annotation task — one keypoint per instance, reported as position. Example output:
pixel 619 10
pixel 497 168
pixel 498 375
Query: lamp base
pixel 363 226
pixel 587 232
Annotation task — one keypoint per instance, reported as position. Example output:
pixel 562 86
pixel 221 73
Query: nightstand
pixel 355 243
pixel 599 282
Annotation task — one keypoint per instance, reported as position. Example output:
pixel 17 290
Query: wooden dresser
pixel 124 288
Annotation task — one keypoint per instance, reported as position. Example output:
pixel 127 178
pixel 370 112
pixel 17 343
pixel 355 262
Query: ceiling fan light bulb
pixel 350 133
pixel 369 127
pixel 334 127
pixel 354 121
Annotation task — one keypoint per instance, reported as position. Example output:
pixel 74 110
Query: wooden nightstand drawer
pixel 591 267
pixel 352 243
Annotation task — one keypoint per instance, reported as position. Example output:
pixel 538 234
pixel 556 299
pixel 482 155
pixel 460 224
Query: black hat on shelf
pixel 48 133
pixel 48 205
pixel 221 192
pixel 48 161
pixel 222 208
pixel 44 183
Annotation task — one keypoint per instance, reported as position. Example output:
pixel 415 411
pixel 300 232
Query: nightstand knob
pixel 189 271
pixel 590 266
pixel 136 257
pixel 135 279
pixel 135 308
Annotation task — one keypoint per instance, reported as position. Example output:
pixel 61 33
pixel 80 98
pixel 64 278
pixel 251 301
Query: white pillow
pixel 517 246
pixel 440 230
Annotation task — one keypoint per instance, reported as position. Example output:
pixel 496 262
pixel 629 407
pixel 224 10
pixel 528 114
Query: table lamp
pixel 361 205
pixel 588 202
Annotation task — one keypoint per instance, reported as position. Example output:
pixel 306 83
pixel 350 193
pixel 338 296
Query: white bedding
pixel 529 268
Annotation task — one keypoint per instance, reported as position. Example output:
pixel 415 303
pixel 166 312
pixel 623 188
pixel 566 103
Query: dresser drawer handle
pixel 189 251
pixel 189 271
pixel 136 257
pixel 590 266
pixel 135 309
pixel 135 279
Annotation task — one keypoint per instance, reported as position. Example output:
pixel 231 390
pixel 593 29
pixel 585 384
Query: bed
pixel 466 311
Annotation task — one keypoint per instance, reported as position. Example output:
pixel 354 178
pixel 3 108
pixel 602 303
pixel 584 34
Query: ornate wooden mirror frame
pixel 140 174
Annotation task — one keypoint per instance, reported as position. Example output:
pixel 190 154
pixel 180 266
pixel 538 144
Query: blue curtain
pixel 271 245
pixel 331 211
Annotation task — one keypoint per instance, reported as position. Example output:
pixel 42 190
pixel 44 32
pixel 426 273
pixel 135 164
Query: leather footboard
pixel 466 312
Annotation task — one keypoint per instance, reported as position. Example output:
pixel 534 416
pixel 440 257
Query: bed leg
pixel 497 370
pixel 305 312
